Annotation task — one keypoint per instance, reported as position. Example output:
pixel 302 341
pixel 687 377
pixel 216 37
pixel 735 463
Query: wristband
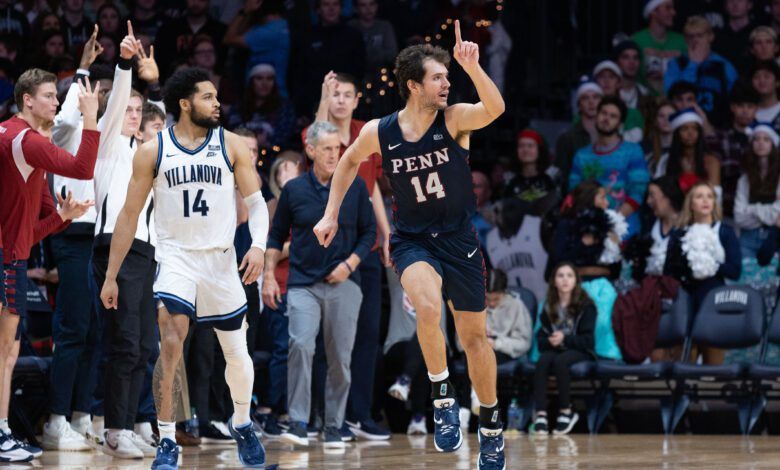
pixel 348 267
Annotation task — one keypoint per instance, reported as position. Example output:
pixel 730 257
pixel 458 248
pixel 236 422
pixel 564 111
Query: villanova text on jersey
pixel 431 178
pixel 193 174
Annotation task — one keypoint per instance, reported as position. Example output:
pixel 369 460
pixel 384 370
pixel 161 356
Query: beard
pixel 204 120
pixel 607 132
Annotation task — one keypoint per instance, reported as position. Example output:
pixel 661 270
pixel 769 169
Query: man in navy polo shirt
pixel 324 283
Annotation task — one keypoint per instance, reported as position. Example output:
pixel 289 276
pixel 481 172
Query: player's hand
pixel 466 53
pixel 329 86
pixel 272 294
pixel 253 261
pixel 70 208
pixel 129 46
pixel 147 66
pixel 109 295
pixel 88 99
pixel 338 275
pixel 385 253
pixel 92 49
pixel 325 230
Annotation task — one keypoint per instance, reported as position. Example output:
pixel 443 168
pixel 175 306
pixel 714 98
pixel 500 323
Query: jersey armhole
pixel 159 153
pixel 224 148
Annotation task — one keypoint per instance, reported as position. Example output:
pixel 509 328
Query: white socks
pixel 4 426
pixel 239 373
pixel 440 377
pixel 167 430
pixel 57 420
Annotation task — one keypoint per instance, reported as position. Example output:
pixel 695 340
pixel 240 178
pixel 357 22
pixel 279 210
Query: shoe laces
pixel 448 416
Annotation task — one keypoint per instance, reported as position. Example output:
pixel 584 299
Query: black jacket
pixel 583 339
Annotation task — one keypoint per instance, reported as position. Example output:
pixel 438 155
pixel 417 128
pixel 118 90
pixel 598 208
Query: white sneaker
pixel 221 427
pixel 61 436
pixel 81 425
pixel 400 389
pixel 474 403
pixel 145 432
pixel 142 445
pixel 123 448
pixel 417 427
pixel 10 451
pixel 93 439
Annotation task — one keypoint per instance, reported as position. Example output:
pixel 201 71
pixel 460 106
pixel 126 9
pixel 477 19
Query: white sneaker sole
pixel 293 439
pixel 367 436
pixel 568 429
pixel 74 446
pixel 121 455
pixel 457 446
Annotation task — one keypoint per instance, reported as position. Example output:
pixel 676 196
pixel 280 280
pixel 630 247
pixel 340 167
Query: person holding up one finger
pixel 323 284
pixel 435 250
pixel 128 335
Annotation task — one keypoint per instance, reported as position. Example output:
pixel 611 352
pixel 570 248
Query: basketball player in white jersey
pixel 193 168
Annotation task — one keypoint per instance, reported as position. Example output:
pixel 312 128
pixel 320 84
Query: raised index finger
pixel 130 28
pixel 458 39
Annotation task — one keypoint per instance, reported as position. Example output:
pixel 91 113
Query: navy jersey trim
pixel 226 316
pixel 186 150
pixel 224 149
pixel 159 153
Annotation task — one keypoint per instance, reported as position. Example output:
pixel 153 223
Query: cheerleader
pixel 703 251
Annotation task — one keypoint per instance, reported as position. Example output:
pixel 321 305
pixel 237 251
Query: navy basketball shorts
pixel 15 290
pixel 455 256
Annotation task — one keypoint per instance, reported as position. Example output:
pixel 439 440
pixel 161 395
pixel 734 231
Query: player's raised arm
pixel 366 144
pixel 144 163
pixel 468 117
pixel 249 186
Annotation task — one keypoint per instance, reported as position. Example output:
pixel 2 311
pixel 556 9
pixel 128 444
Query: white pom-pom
pixel 611 253
pixel 657 259
pixel 701 245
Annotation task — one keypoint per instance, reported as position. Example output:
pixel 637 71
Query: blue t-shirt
pixel 270 44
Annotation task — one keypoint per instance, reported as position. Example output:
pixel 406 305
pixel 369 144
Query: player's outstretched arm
pixel 366 143
pixel 144 163
pixel 466 116
pixel 249 186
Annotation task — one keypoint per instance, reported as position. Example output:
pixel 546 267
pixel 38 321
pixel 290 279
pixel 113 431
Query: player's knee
pixel 472 340
pixel 170 344
pixel 428 312
pixel 301 346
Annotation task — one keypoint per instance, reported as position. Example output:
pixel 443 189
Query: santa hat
pixel 766 128
pixel 684 117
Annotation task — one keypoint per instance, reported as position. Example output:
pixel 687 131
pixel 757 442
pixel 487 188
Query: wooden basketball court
pixel 576 451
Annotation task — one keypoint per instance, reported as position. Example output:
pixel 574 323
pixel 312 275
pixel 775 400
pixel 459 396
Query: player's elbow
pixel 498 108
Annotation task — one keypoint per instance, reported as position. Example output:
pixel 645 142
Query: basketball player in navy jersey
pixel 424 151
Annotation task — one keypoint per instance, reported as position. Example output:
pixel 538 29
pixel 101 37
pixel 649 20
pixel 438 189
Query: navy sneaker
pixel 346 433
pixel 296 434
pixel 331 438
pixel 491 450
pixel 446 426
pixel 368 430
pixel 269 427
pixel 167 456
pixel 35 451
pixel 250 451
pixel 312 430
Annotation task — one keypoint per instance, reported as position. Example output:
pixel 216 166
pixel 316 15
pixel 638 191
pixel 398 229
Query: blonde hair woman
pixel 703 251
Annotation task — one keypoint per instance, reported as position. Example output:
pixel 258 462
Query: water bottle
pixel 513 416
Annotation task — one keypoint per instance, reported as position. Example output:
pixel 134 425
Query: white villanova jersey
pixel 194 195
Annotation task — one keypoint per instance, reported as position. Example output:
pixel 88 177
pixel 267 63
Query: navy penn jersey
pixel 430 178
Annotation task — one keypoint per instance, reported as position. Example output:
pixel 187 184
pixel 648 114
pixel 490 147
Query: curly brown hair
pixel 410 64
pixel 579 298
